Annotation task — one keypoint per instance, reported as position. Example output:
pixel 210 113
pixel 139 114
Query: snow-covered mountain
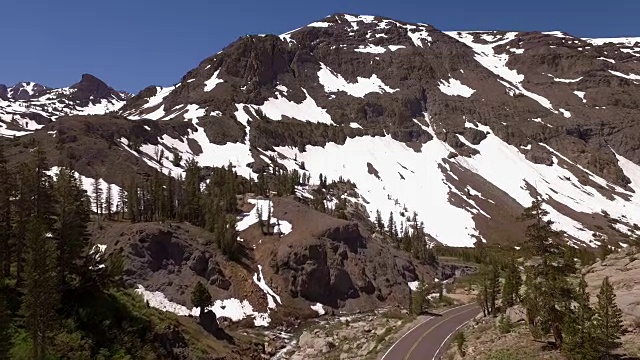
pixel 462 127
pixel 28 106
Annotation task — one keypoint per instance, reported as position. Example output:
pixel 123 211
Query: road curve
pixel 426 341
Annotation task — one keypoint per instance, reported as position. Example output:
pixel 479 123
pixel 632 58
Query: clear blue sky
pixel 131 44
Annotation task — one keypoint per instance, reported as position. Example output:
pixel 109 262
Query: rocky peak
pixel 4 92
pixel 21 91
pixel 91 89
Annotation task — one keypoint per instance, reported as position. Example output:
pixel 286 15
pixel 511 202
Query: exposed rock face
pixel 90 89
pixel 342 264
pixel 461 127
pixel 170 259
pixel 4 92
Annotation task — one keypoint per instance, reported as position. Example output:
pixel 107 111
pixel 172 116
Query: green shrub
pixel 505 325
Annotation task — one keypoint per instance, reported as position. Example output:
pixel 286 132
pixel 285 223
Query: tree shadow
pixel 622 357
pixel 222 335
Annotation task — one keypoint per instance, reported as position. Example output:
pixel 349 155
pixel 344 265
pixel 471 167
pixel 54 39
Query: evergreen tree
pixel 5 324
pixel 108 200
pixel 493 288
pixel 260 220
pixel 512 285
pixel 549 290
pixel 580 333
pixel 6 184
pixel 97 196
pixel 608 318
pixel 41 294
pixel 133 202
pixel 268 223
pixel 229 245
pixel 122 202
pixel 379 221
pixel 200 297
pixel 192 206
pixel 391 226
pixel 73 215
pixel 418 299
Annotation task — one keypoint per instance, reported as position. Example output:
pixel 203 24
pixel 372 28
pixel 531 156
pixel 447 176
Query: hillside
pixel 476 121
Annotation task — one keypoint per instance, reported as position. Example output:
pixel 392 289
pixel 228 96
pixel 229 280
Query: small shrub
pixel 459 339
pixel 505 325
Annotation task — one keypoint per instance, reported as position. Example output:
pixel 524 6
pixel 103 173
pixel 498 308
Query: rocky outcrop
pixel 168 258
pixel 623 270
pixel 209 322
pixel 341 267
pixel 90 89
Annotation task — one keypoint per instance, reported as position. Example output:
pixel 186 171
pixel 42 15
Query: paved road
pixel 427 340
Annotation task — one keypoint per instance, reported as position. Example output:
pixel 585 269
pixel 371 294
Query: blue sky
pixel 131 44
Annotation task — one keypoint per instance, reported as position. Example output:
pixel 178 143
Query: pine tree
pixel 580 333
pixel 608 318
pixel 229 245
pixel 108 200
pixel 200 297
pixel 493 288
pixel 512 285
pixel 391 226
pixel 268 224
pixel 41 295
pixel 5 325
pixel 97 196
pixel 73 215
pixel 379 221
pixel 122 202
pixel 418 299
pixel 6 184
pixel 192 206
pixel 260 220
pixel 549 290
pixel 133 202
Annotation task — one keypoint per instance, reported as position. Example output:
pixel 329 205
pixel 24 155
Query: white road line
pixel 415 327
pixel 447 338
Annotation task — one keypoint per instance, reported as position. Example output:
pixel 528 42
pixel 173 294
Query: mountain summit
pixel 464 128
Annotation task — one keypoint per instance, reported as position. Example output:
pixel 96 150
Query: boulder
pixel 209 322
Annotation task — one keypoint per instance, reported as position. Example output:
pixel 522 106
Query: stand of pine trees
pixel 60 297
pixel 410 237
pixel 555 299
pixel 44 256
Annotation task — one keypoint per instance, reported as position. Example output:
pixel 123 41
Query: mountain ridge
pixel 561 107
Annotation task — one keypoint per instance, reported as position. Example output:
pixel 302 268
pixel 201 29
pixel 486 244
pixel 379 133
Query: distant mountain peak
pixel 90 88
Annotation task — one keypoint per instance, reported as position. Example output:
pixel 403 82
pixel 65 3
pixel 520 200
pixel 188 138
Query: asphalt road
pixel 427 340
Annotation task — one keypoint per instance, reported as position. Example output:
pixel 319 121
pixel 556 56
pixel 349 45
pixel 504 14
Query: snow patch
pixel 580 94
pixel 630 76
pixel 454 87
pixel 307 110
pixel 334 82
pixel 213 81
pixel 318 308
pixel 272 298
pixel 233 309
pixel 262 205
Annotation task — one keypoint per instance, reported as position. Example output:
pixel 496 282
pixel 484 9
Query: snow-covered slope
pixel 29 106
pixel 462 127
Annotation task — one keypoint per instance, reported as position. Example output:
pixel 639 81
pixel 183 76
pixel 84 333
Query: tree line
pixel 45 253
pixel 410 237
